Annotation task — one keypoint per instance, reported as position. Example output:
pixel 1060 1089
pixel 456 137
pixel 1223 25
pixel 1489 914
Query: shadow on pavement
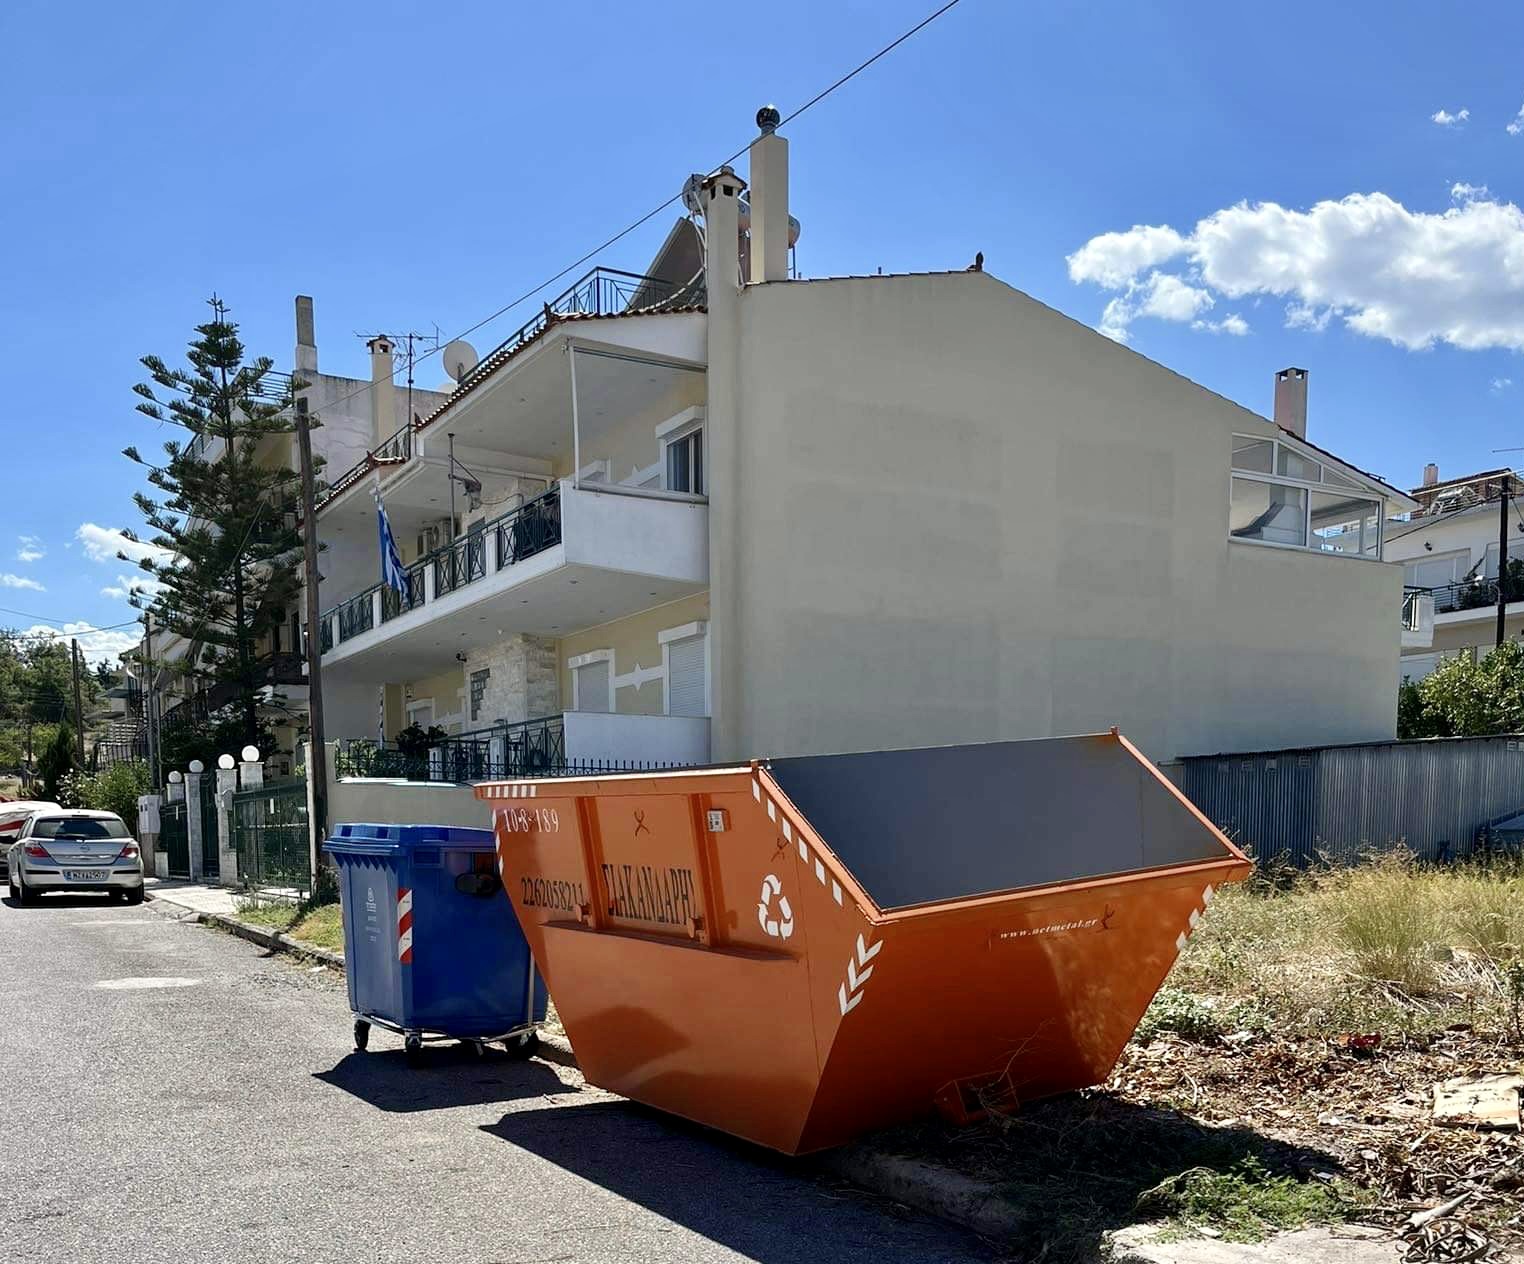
pixel 447 1075
pixel 763 1206
pixel 85 899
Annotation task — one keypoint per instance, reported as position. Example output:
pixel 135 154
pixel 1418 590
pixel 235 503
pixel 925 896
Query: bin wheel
pixel 522 1046
pixel 362 1035
pixel 412 1049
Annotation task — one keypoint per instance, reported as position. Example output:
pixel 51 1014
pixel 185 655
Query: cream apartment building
pixel 715 511
pixel 1448 549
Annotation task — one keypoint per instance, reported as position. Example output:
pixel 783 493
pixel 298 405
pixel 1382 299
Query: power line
pixel 657 210
pixel 46 618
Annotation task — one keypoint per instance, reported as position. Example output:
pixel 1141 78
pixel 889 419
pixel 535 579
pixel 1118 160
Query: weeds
pixel 1390 926
pixel 1247 1202
pixel 1203 1019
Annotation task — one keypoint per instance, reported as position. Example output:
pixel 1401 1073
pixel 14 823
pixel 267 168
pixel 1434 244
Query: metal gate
pixel 270 836
pixel 174 838
pixel 210 845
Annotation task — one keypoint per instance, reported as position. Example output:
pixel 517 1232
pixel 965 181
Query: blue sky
pixel 412 167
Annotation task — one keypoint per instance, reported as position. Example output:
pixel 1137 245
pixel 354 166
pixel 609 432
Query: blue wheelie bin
pixel 432 947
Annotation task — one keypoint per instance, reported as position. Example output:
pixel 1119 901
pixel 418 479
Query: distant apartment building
pixel 713 511
pixel 1449 548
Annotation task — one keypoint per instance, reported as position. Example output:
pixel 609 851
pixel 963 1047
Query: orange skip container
pixel 798 950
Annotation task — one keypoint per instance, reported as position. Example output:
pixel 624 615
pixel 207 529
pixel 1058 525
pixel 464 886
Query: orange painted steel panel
pixel 712 956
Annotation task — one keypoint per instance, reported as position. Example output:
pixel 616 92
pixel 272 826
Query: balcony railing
pixel 460 563
pixel 394 603
pixel 531 748
pixel 1475 594
pixel 357 615
pixel 398 447
pixel 518 534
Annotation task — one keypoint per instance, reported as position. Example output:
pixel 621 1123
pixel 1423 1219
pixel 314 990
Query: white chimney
pixel 769 201
pixel 306 342
pixel 383 408
pixel 1291 401
pixel 1430 474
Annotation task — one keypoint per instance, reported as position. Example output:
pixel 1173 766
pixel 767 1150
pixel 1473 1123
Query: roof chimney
pixel 769 200
pixel 306 343
pixel 1430 474
pixel 1291 401
pixel 383 409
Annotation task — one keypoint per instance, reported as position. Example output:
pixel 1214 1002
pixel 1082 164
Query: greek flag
pixel 392 573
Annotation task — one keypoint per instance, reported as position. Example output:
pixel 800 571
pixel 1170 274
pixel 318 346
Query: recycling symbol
pixel 782 926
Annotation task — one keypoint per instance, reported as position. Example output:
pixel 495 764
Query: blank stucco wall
pixel 404 803
pixel 962 516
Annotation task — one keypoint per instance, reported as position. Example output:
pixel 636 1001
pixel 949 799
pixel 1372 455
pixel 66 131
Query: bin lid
pixel 950 822
pixel 368 839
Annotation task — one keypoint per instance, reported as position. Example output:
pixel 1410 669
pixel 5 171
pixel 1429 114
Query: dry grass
pixel 1385 946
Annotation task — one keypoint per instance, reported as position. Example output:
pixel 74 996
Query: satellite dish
pixel 459 358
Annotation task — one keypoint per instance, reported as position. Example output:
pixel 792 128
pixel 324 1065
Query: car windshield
pixel 79 827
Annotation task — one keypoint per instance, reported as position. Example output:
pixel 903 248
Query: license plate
pixel 83 875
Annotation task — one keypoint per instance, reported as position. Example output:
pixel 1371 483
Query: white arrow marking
pixel 854 979
pixel 844 1002
pixel 866 954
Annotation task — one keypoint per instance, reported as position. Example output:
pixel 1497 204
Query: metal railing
pixel 394 603
pixel 396 447
pixel 530 748
pixel 601 292
pixel 357 615
pixel 531 528
pixel 460 563
pixel 518 534
pixel 1412 607
pixel 1472 594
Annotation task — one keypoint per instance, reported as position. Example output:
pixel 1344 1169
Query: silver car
pixel 75 850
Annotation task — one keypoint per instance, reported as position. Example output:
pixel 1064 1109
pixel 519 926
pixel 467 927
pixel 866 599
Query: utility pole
pixel 79 709
pixel 317 760
pixel 149 718
pixel 1502 557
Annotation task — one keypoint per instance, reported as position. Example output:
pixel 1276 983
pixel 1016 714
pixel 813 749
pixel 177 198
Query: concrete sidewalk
pixel 193 897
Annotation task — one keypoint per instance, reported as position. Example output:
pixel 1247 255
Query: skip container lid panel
pixel 952 822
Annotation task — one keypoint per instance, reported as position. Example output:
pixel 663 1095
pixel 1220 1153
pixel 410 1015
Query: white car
pixel 13 816
pixel 67 849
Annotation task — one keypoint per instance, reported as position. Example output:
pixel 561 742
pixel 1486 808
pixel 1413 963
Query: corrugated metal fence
pixel 1430 796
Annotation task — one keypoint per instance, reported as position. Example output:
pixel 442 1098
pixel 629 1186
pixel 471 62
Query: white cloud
pixel 1162 296
pixel 7 580
pixel 1445 119
pixel 1413 278
pixel 1500 384
pixel 127 585
pixel 102 544
pixel 30 549
pixel 1464 192
pixel 96 646
pixel 1113 259
pixel 1517 125
pixel 1232 324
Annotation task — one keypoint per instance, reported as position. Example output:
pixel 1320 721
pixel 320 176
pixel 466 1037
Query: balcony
pixel 1478 593
pixel 574 744
pixel 1417 618
pixel 601 292
pixel 565 560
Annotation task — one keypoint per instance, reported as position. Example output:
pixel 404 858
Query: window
pixel 1435 572
pixel 685 463
pixel 687 674
pixel 478 690
pixel 79 827
pixel 1268 512
pixel 592 681
pixel 1283 495
pixel 1257 456
pixel 1346 524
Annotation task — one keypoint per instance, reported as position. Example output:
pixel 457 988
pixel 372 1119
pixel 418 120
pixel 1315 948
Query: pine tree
pixel 227 525
pixel 56 762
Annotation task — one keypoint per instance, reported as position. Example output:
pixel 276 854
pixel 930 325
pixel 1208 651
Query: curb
pixel 273 940
pixel 937 1191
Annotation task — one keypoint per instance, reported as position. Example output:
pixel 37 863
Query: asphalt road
pixel 173 1093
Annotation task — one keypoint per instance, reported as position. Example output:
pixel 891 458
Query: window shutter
pixel 593 686
pixel 685 676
